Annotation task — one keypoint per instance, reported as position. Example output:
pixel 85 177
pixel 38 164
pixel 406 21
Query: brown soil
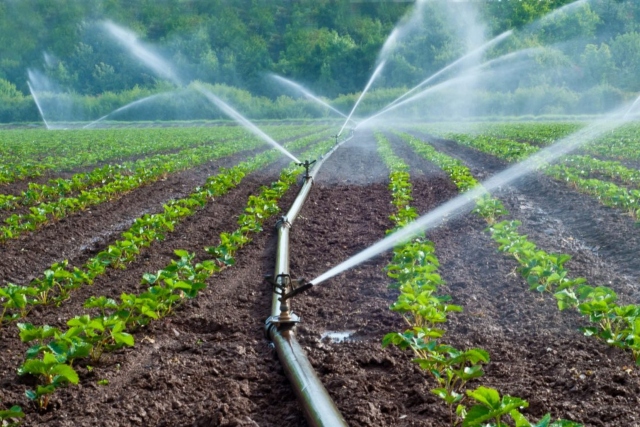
pixel 210 364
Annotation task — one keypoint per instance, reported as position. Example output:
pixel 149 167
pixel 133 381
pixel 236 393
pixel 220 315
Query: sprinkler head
pixel 307 164
pixel 286 288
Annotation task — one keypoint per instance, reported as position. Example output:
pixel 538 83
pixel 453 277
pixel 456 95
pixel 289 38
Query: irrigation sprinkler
pixel 285 287
pixel 318 407
pixel 307 164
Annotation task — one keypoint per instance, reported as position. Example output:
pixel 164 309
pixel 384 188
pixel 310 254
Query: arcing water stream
pixel 162 68
pixel 465 201
pixel 243 121
pixel 306 93
pixel 471 74
pixel 35 99
pixel 366 88
pixel 437 74
pixel 144 53
pixel 125 107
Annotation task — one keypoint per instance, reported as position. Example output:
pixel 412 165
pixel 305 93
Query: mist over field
pixel 582 59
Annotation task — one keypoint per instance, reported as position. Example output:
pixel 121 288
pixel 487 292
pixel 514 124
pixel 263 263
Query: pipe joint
pixel 283 222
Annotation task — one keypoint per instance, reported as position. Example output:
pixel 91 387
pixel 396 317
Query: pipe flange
pixel 287 321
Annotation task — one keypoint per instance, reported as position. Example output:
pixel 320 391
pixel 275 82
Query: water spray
pixel 373 77
pixel 35 99
pixel 464 202
pixel 632 107
pixel 243 121
pixel 144 53
pixel 308 94
pixel 477 51
pixel 131 104
pixel 453 81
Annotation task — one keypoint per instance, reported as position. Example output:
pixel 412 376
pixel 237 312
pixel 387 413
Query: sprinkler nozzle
pixel 307 164
pixel 286 288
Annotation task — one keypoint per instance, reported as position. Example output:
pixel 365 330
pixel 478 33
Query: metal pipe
pixel 319 409
pixel 282 260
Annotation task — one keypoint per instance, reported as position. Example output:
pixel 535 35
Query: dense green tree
pixel 625 51
pixel 331 46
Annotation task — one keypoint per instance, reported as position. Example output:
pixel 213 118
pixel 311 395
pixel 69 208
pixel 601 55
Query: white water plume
pixel 633 106
pixel 465 202
pixel 53 104
pixel 306 93
pixel 371 80
pixel 537 24
pixel 124 107
pixel 408 24
pixel 474 74
pixel 476 52
pixel 35 99
pixel 242 120
pixel 144 53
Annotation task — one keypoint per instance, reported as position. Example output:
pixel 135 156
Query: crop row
pixel 616 325
pixel 53 351
pixel 541 133
pixel 607 193
pixel 59 280
pixel 414 268
pixel 148 171
pixel 587 166
pixel 60 187
pixel 29 153
pixel 621 144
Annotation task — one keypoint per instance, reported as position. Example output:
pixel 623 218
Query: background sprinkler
pixel 307 164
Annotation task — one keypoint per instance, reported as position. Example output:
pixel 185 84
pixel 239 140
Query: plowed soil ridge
pixel 603 241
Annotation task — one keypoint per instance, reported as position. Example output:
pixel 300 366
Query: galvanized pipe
pixel 318 408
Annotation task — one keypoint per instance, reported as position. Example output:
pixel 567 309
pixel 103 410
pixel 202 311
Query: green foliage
pixel 331 46
pixel 52 373
pixel 491 409
pixel 10 417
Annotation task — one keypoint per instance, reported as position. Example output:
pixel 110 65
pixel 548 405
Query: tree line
pixel 331 46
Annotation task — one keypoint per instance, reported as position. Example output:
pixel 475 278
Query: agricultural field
pixel 133 264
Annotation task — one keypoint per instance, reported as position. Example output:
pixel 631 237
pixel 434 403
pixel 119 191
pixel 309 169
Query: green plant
pixel 10 417
pixel 491 410
pixel 52 372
